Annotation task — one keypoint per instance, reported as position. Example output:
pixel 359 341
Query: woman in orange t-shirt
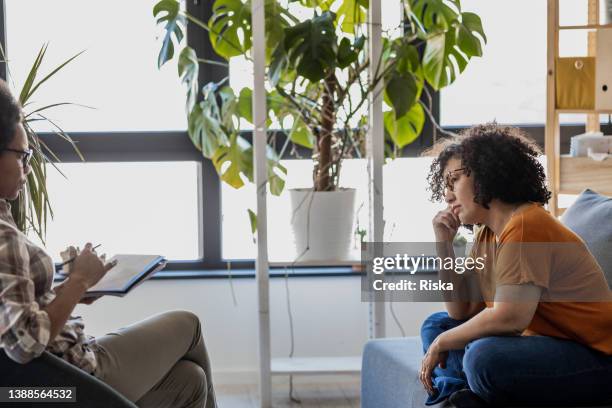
pixel 538 330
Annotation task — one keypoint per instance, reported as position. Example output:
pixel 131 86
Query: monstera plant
pixel 317 77
pixel 318 86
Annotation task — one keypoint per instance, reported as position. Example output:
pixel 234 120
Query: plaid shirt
pixel 26 276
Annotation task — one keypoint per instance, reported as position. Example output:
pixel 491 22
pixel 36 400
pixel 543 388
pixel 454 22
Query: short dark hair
pixel 502 160
pixel 10 115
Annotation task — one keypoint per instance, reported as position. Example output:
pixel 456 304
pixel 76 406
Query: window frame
pixel 163 146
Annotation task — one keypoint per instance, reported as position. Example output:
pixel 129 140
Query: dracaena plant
pixel 318 84
pixel 32 209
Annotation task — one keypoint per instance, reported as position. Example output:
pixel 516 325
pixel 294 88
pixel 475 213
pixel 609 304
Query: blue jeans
pixel 535 370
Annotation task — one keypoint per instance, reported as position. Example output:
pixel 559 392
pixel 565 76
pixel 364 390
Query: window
pixel 117 74
pixel 237 241
pixel 407 209
pixel 508 84
pixel 148 208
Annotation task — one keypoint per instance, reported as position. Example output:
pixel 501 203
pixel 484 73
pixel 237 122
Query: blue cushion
pixel 591 218
pixel 389 374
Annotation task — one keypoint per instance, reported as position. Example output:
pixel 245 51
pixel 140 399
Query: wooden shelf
pixel 585 27
pixel 587 111
pixel 316 365
pixel 578 173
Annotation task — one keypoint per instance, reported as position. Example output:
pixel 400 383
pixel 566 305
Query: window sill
pixel 320 272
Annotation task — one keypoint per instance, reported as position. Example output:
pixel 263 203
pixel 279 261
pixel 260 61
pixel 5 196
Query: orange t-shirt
pixel 536 248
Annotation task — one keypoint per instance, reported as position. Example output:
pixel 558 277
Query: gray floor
pixel 339 395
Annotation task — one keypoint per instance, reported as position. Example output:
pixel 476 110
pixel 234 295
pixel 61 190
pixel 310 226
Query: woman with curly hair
pixel 534 326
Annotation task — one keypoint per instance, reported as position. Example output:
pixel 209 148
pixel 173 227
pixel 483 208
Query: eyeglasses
pixel 449 181
pixel 26 155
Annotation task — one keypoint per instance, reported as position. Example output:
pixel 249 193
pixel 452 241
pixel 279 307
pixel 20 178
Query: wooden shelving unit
pixel 578 173
pixel 570 175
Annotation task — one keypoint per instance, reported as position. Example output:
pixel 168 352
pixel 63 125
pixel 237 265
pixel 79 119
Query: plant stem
pixel 323 182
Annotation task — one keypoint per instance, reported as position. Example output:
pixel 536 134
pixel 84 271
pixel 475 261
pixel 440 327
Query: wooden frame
pixel 570 175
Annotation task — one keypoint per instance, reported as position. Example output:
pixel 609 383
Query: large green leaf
pixel 278 64
pixel 448 51
pixel 311 46
pixel 406 129
pixel 252 220
pixel 274 103
pixel 229 108
pixel 203 131
pixel 233 160
pixel 276 177
pixel 245 104
pixel 188 69
pixel 467 41
pixel 205 123
pixel 349 52
pixel 168 12
pixel 351 14
pixel 230 27
pixel 275 26
pixel 401 91
pixel 433 15
pixel 323 4
pixel 300 134
pixel 433 60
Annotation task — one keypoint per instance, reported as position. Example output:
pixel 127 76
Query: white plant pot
pixel 322 223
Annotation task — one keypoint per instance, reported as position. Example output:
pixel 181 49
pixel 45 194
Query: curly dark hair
pixel 503 161
pixel 10 115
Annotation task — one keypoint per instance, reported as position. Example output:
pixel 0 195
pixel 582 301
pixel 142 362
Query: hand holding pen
pixel 87 267
pixel 72 259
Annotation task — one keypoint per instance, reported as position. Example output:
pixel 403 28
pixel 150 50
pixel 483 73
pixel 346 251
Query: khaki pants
pixel 159 362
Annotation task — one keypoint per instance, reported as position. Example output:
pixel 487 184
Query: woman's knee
pixel 481 364
pixel 194 382
pixel 433 326
pixel 188 321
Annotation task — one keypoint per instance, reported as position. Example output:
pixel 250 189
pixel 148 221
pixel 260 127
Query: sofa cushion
pixel 590 216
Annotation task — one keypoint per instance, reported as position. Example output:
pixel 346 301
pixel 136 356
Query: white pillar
pixel 261 180
pixel 375 148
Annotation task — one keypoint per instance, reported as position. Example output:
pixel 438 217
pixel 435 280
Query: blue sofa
pixel 389 377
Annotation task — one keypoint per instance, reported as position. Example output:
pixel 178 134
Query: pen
pixel 74 257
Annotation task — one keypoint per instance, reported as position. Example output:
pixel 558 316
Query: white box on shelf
pixel 603 70
pixel 580 144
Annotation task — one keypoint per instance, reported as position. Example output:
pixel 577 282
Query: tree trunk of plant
pixel 322 177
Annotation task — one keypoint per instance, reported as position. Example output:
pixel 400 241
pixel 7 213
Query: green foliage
pixel 316 63
pixel 311 47
pixel 230 27
pixel 452 38
pixel 168 12
pixel 32 209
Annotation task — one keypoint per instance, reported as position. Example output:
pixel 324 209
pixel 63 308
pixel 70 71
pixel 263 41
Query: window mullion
pixel 210 186
pixel 3 37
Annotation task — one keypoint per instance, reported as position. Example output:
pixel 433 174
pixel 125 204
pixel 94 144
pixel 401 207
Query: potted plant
pixel 317 90
pixel 32 209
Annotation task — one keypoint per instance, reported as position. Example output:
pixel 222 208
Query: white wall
pixel 329 317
